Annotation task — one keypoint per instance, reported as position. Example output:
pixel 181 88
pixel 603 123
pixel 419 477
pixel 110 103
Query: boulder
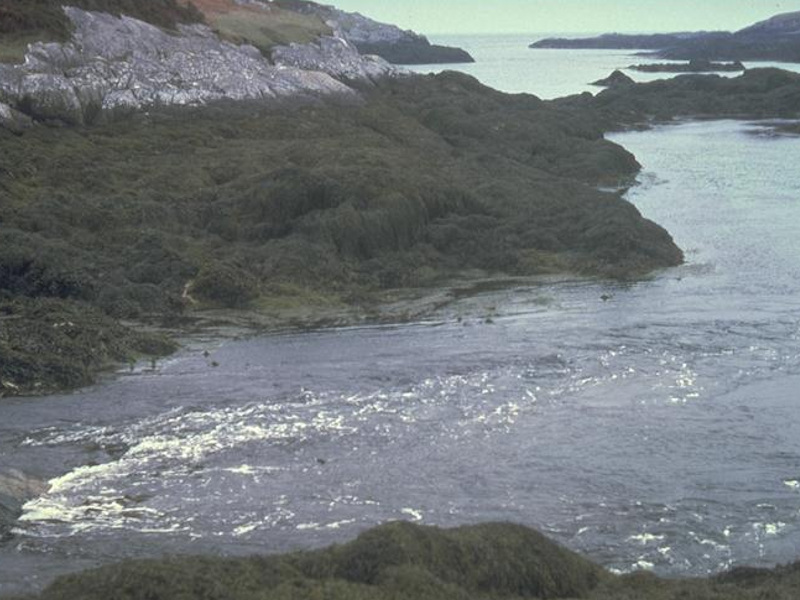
pixel 13 120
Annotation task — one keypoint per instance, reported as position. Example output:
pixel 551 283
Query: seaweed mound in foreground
pixel 403 561
pixel 394 561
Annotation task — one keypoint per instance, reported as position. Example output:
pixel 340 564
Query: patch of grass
pixel 265 29
pixel 13 46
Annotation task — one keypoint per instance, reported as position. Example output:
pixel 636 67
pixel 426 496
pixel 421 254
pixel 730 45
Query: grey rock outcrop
pixel 336 57
pixel 13 120
pixel 396 45
pixel 122 64
pixel 15 488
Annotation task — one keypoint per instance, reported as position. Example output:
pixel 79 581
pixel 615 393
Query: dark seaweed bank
pixel 400 561
pixel 697 65
pixel 159 214
pixel 756 94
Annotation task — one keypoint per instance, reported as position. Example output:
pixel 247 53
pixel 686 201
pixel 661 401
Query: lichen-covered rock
pixel 123 63
pixel 335 56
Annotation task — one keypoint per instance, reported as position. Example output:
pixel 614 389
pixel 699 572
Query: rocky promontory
pixel 777 39
pixel 391 43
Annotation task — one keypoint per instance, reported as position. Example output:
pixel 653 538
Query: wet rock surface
pixel 15 488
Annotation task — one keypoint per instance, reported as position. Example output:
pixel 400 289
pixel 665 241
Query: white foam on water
pixel 245 529
pixel 646 538
pixel 415 514
pixel 322 526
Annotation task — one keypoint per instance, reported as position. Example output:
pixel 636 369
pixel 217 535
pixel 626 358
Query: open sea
pixel 656 429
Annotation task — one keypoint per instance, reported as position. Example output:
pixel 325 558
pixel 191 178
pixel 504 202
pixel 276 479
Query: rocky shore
pixel 176 210
pixel 399 561
pixel 388 41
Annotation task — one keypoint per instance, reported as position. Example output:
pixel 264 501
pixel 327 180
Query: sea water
pixel 648 425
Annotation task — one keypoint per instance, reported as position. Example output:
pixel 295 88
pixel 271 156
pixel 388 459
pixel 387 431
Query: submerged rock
pixel 15 489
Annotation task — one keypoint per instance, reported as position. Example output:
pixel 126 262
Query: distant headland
pixel 777 38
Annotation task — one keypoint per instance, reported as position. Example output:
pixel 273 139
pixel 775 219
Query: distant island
pixel 777 38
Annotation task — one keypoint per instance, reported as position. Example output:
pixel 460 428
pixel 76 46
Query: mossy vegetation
pixel 175 210
pixel 403 561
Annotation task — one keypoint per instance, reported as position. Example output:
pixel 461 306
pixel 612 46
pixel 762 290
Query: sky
pixel 524 16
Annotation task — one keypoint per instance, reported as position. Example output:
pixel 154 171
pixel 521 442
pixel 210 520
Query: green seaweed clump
pixel 50 344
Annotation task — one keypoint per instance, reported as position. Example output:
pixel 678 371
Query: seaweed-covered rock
pixel 616 79
pixel 223 285
pixel 696 65
pixel 48 345
pixel 15 489
pixel 756 94
pixel 396 561
pixel 404 561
